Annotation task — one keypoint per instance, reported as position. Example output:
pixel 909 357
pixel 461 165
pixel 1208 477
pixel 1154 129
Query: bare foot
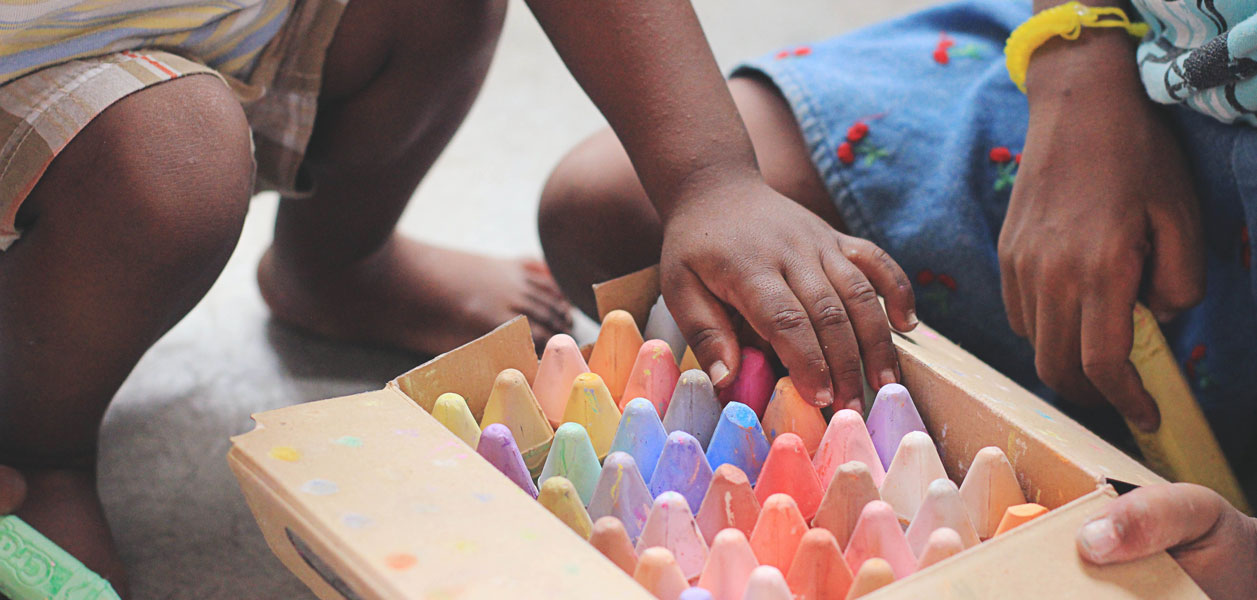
pixel 414 296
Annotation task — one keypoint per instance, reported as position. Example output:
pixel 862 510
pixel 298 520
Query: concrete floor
pixel 178 515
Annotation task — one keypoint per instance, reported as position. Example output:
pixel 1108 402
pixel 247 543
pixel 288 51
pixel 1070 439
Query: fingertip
pixel 823 398
pixel 1098 540
pixel 719 373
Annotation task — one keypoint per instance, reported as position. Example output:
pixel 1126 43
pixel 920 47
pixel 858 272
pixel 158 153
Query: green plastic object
pixel 32 567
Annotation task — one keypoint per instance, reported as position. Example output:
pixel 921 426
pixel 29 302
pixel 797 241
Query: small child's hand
pixel 12 490
pixel 807 289
pixel 1214 543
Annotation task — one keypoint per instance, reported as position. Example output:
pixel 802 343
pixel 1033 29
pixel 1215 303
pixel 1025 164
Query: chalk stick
pixel 942 544
pixel 641 435
pixel 729 565
pixel 819 571
pixel 878 535
pixel 610 538
pixel 671 525
pixel 729 502
pixel 615 350
pixel 753 384
pixel 562 500
pixel 739 441
pixel 497 446
pixel 893 415
pixel 682 468
pixel 590 405
pixel 1019 514
pixel 653 377
pixel 622 493
pixel 942 507
pixel 766 583
pixel 689 361
pixel 693 408
pixel 451 411
pixel 776 536
pixel 561 362
pixel 846 439
pixel 788 470
pixel 788 412
pixel 916 464
pixel 849 490
pixel 874 575
pixel 32 567
pixel 512 404
pixel 989 488
pixel 657 571
pixel 661 326
pixel 572 457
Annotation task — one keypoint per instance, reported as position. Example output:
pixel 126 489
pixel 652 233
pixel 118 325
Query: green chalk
pixel 32 567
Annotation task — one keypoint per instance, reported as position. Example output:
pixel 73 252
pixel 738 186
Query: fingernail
pixel 824 398
pixel 887 376
pixel 912 319
pixel 718 371
pixel 856 404
pixel 1099 538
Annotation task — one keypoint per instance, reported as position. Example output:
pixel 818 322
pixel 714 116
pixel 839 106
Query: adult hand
pixel 1214 543
pixel 807 289
pixel 1102 203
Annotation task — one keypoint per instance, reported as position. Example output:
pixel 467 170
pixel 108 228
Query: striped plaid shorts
pixel 41 112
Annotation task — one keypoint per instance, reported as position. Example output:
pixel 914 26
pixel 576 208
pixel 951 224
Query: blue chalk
pixel 739 440
pixel 641 435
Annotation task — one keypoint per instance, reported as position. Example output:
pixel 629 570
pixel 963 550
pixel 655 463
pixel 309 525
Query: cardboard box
pixel 367 496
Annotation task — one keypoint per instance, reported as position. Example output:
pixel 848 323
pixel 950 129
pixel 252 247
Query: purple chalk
pixel 893 415
pixel 682 468
pixel 497 446
pixel 622 493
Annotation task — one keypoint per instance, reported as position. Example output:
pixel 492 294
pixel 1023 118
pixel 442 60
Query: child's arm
pixel 1213 542
pixel 1103 204
pixel 729 240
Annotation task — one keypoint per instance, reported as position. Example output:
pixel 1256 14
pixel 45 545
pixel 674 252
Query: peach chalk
pixel 452 412
pixel 849 490
pixel 1019 514
pixel 589 405
pixel 767 583
pixel 753 384
pixel 819 571
pixel 729 566
pixel 729 503
pixel 657 571
pixel 671 525
pixel 878 535
pixel 788 470
pixel 615 351
pixel 512 404
pixel 561 499
pixel 989 488
pixel 846 439
pixel 916 464
pixel 788 412
pixel 561 362
pixel 777 533
pixel 874 575
pixel 609 537
pixel 653 377
pixel 942 507
pixel 942 544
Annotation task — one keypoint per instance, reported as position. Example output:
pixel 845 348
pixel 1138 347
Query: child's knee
pixel 592 187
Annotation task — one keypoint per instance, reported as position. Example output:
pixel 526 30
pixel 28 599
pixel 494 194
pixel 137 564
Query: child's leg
pixel 596 222
pixel 123 236
pixel 399 79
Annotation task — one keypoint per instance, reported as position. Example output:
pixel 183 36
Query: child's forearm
pixel 647 66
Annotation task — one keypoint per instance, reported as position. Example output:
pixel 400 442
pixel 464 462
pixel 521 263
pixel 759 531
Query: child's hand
pixel 806 288
pixel 1213 542
pixel 1103 202
pixel 12 490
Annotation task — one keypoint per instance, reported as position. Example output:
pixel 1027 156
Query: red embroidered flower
pixel 802 51
pixel 947 281
pixel 1001 154
pixel 925 277
pixel 1017 157
pixel 1198 352
pixel 940 56
pixel 783 54
pixel 846 153
pixel 857 132
pixel 945 41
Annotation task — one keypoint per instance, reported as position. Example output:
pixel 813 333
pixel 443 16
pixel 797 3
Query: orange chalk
pixel 849 490
pixel 874 575
pixel 512 404
pixel 653 376
pixel 989 488
pixel 788 470
pixel 915 465
pixel 1019 514
pixel 729 566
pixel 777 533
pixel 657 571
pixel 560 364
pixel 689 361
pixel 788 412
pixel 943 543
pixel 589 404
pixel 878 534
pixel 730 502
pixel 819 571
pixel 610 538
pixel 942 507
pixel 846 439
pixel 616 350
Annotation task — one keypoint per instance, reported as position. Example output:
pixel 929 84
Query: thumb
pixel 12 490
pixel 1151 519
pixel 705 322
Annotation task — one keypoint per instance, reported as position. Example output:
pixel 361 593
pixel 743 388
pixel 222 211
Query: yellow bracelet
pixel 1065 20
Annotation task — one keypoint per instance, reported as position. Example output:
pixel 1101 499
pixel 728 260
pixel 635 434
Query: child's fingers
pixel 12 490
pixel 867 319
pixel 772 309
pixel 1151 519
pixel 887 278
pixel 1108 332
pixel 832 323
pixel 1177 277
pixel 1011 292
pixel 1058 349
pixel 706 324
